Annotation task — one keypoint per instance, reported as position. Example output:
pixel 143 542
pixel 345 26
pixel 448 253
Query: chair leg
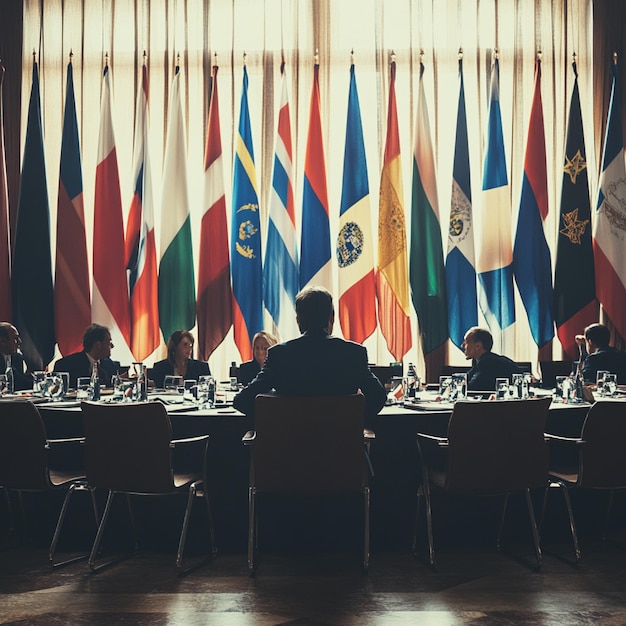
pixel 504 508
pixel 211 524
pixel 366 531
pixel 608 515
pixel 251 528
pixel 533 526
pixel 99 534
pixel 131 516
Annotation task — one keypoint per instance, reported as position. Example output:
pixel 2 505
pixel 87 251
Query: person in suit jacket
pixel 486 365
pixel 9 345
pixel 597 355
pixel 261 343
pixel 97 346
pixel 316 363
pixel 179 361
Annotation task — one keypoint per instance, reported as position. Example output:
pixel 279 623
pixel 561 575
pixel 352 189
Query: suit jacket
pixel 248 371
pixel 610 359
pixel 78 365
pixel 315 364
pixel 20 379
pixel 482 376
pixel 164 368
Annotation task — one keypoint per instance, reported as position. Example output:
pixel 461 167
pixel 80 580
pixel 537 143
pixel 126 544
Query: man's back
pixel 609 359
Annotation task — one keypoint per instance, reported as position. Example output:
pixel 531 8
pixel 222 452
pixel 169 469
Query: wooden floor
pixel 474 585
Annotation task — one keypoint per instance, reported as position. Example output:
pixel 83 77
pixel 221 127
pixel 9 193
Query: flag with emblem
pixel 109 303
pixel 355 242
pixel 392 277
pixel 32 264
pixel 280 272
pixel 177 292
pixel 427 273
pixel 495 258
pixel 575 304
pixel 6 309
pixel 214 304
pixel 315 268
pixel 246 236
pixel 460 259
pixel 72 303
pixel 140 241
pixel 532 266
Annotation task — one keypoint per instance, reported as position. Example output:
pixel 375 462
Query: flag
pixel 6 308
pixel 531 256
pixel 72 305
pixel 355 242
pixel 33 306
pixel 109 304
pixel 460 259
pixel 495 270
pixel 315 268
pixel 246 237
pixel 140 243
pixel 609 225
pixel 392 281
pixel 214 307
pixel 280 272
pixel 575 304
pixel 427 273
pixel 177 302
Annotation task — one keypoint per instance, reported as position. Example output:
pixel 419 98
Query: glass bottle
pixel 95 382
pixel 411 381
pixel 9 374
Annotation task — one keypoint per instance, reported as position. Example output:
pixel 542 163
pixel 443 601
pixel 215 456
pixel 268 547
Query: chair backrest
pixel 524 366
pixel 551 369
pixel 384 373
pixel 448 370
pixel 497 447
pixel 127 446
pixel 309 445
pixel 602 456
pixel 23 451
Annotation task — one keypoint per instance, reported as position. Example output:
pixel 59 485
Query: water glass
pixel 517 381
pixel 190 390
pixel 172 383
pixel 84 390
pixel 4 384
pixel 458 386
pixel 600 375
pixel 206 391
pixel 502 388
pixel 610 384
pixel 445 383
pixel 53 386
pixel 38 378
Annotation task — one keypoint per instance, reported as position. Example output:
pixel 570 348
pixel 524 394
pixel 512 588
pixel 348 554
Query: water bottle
pixel 9 374
pixel 411 381
pixel 143 384
pixel 95 382
pixel 580 386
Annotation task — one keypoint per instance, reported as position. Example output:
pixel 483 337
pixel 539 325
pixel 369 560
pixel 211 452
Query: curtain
pixel 260 33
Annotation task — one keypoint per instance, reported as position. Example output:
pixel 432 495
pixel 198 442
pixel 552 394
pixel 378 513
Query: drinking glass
pixel 172 383
pixel 444 386
pixel 600 375
pixel 518 384
pixel 37 380
pixel 190 391
pixel 84 390
pixel 206 391
pixel 118 388
pixel 396 389
pixel 4 384
pixel 53 386
pixel 610 384
pixel 458 386
pixel 502 388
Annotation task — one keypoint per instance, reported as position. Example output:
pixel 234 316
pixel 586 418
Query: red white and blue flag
pixel 315 267
pixel 531 256
pixel 140 241
pixel 280 271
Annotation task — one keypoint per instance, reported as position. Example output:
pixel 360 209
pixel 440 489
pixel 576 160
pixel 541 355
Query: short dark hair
pixel 172 343
pixel 314 306
pixel 599 334
pixel 482 335
pixel 93 333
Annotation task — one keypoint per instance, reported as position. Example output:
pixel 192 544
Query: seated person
pixel 316 363
pixel 596 354
pixel 9 345
pixel 97 346
pixel 261 343
pixel 486 365
pixel 179 361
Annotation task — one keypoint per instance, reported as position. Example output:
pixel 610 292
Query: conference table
pixel 393 454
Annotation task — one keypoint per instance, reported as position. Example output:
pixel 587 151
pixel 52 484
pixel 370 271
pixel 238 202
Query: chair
pixel 308 446
pixel 448 370
pixel 524 366
pixel 492 448
pixel 601 459
pixel 384 373
pixel 128 450
pixel 551 369
pixel 24 467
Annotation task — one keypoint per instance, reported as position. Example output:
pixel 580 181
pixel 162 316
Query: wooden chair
pixel 128 450
pixel 308 446
pixel 492 448
pixel 601 459
pixel 24 467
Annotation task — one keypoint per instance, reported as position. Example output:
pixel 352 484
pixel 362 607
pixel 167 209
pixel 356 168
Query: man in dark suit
pixel 97 346
pixel 486 365
pixel 316 363
pixel 9 344
pixel 597 355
